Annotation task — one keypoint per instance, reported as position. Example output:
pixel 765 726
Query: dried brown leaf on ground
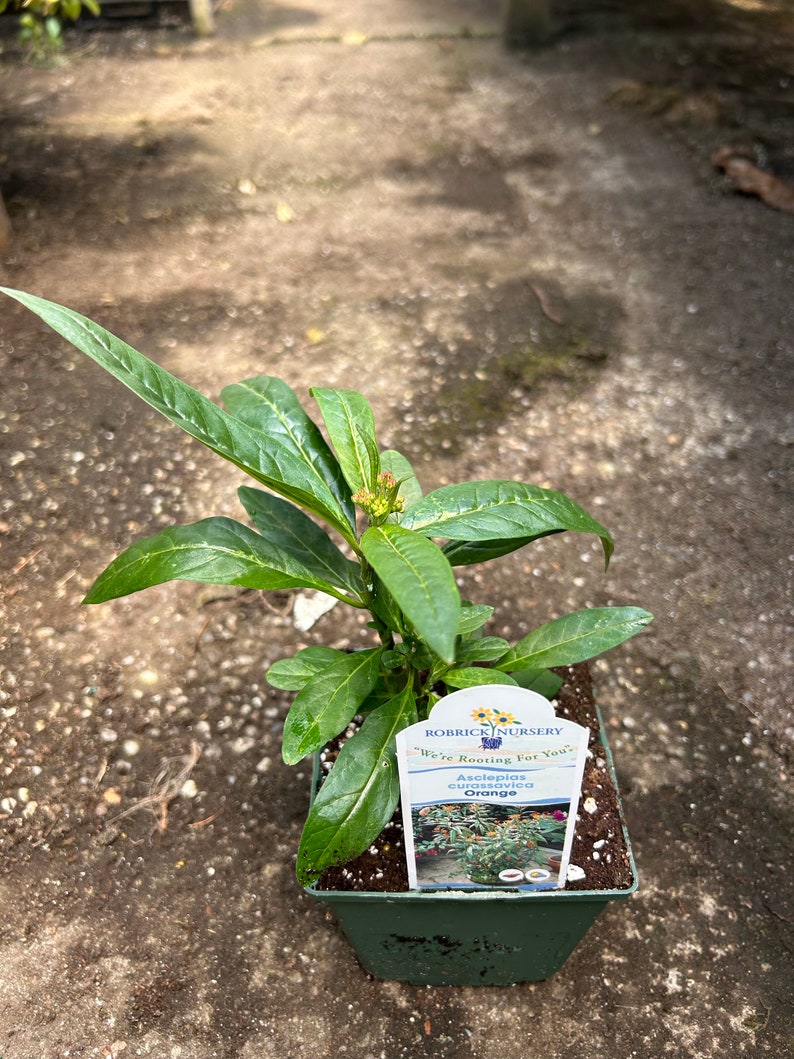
pixel 751 180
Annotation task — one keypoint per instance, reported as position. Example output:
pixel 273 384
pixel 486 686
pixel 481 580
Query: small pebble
pixel 575 873
pixel 590 805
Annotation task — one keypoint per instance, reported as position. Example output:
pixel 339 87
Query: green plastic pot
pixel 479 937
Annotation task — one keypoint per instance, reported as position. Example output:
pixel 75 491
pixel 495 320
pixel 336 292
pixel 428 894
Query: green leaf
pixel 575 637
pixel 384 608
pixel 216 551
pixel 485 649
pixel 410 489
pixel 286 526
pixel 392 660
pixel 543 681
pixel 500 511
pixel 270 405
pixel 269 452
pixel 361 792
pixel 291 674
pixel 466 553
pixel 472 617
pixel 328 702
pixel 350 424
pixel 421 581
pixel 473 676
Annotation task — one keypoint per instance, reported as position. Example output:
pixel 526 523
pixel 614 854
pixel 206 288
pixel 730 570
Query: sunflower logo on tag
pixel 493 719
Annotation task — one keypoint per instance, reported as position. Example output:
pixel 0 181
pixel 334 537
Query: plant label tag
pixel 490 786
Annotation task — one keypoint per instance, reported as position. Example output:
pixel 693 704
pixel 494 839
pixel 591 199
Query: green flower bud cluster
pixel 381 503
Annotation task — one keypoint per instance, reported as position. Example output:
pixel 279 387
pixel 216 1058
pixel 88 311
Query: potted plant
pixel 386 549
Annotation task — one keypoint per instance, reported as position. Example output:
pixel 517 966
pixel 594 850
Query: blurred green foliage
pixel 40 21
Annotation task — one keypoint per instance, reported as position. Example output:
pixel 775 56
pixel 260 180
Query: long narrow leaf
pixel 271 459
pixel 268 404
pixel 474 676
pixel 543 681
pixel 283 524
pixel 466 553
pixel 292 674
pixel 500 511
pixel 384 608
pixel 575 638
pixel 328 702
pixel 420 579
pixel 350 424
pixel 484 649
pixel 472 617
pixel 360 795
pixel 216 551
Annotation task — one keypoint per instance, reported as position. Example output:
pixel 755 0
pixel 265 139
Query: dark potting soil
pixel 599 847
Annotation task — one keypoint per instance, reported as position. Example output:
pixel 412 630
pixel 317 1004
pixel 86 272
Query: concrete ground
pixel 529 263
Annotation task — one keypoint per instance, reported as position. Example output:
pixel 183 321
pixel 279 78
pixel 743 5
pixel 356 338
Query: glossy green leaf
pixel 286 526
pixel 328 702
pixel 274 459
pixel 410 489
pixel 350 424
pixel 575 637
pixel 466 553
pixel 392 660
pixel 472 617
pixel 361 792
pixel 484 649
pixel 543 681
pixel 421 581
pixel 216 551
pixel 500 511
pixel 384 607
pixel 291 674
pixel 473 676
pixel 268 404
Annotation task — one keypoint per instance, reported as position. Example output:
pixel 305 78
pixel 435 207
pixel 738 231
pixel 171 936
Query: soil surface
pixel 530 263
pixel 599 856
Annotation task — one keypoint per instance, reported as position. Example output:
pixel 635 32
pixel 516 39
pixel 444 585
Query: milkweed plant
pixel 331 511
